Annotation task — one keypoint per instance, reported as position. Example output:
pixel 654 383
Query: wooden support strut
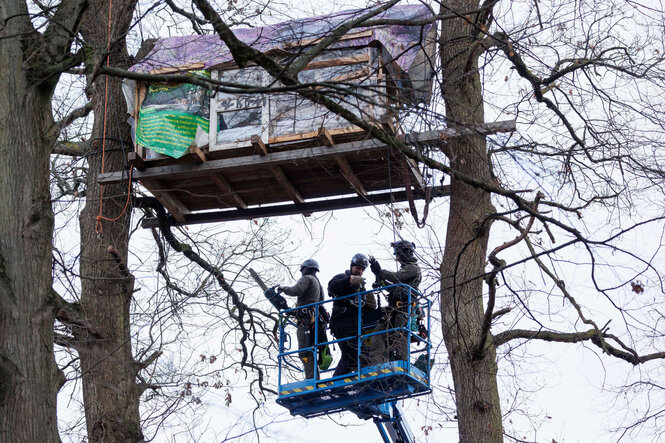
pixel 198 154
pixel 325 137
pixel 298 208
pixel 283 180
pixel 350 175
pixel 275 158
pixel 226 187
pixel 258 145
pixel 177 209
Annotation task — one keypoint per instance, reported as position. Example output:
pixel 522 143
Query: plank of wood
pixel 326 137
pixel 313 134
pixel 363 73
pixel 299 208
pixel 182 171
pixel 311 41
pixel 413 166
pixel 137 104
pixel 342 61
pixel 141 152
pixel 258 145
pixel 177 69
pixel 178 209
pixel 283 180
pixel 226 187
pixel 350 175
pixel 442 135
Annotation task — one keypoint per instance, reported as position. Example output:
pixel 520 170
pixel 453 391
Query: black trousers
pixel 348 361
pixel 305 334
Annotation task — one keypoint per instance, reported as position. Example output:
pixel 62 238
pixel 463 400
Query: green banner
pixel 170 114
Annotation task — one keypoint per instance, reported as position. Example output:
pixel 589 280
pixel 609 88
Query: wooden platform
pixel 301 173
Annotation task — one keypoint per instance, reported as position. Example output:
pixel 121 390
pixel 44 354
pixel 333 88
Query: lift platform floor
pixel 378 384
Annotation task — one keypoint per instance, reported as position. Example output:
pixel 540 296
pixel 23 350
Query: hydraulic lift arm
pixel 391 424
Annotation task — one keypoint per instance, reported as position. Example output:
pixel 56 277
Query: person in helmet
pixel 344 319
pixel 393 345
pixel 308 290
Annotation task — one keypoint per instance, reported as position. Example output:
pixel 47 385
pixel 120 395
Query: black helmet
pixel 360 260
pixel 310 263
pixel 403 249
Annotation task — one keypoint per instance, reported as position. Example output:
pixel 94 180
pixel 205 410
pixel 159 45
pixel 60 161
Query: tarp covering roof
pixel 401 42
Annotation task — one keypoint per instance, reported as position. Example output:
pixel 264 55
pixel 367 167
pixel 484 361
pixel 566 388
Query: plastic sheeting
pixel 401 42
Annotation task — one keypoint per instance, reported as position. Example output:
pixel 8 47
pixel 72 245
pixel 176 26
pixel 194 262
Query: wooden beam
pixel 178 69
pixel 440 136
pixel 350 175
pixel 226 187
pixel 413 166
pixel 311 41
pixel 313 134
pixel 177 209
pixel 361 73
pixel 337 62
pixel 326 137
pixel 276 158
pixel 283 180
pixel 183 170
pixel 198 153
pixel 291 209
pixel 258 145
pixel 135 160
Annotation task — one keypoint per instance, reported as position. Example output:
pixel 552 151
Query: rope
pixel 98 225
pixel 412 204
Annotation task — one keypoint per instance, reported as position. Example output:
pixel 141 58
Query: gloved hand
pixel 374 265
pixel 357 280
pixel 278 289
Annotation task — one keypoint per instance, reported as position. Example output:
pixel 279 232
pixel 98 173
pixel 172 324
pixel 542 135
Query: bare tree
pixel 586 84
pixel 33 55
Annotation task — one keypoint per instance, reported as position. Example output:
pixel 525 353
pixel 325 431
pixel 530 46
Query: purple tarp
pixel 401 42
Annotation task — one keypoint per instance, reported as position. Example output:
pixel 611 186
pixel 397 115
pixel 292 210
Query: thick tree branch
pixel 72 149
pixel 63 29
pixel 66 341
pixel 140 365
pixel 75 114
pixel 598 338
pixel 71 315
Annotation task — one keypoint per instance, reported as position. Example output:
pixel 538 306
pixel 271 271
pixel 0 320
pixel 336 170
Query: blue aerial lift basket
pixel 371 391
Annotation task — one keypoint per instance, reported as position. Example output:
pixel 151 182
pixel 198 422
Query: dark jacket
pixel 344 318
pixel 409 274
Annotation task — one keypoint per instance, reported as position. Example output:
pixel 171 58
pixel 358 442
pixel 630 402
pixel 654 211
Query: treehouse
pixel 258 148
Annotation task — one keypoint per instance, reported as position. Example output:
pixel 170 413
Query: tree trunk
pixel 476 393
pixel 29 377
pixel 110 392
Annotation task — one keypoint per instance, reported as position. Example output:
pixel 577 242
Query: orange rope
pixel 98 226
pixel 129 188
